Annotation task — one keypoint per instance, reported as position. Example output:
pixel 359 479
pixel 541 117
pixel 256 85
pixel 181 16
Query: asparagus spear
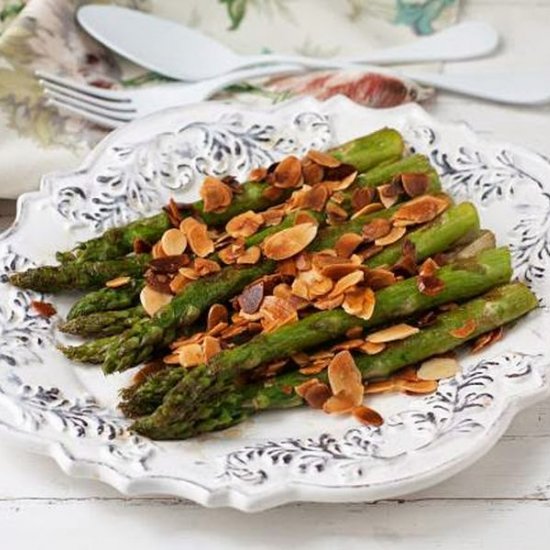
pixel 496 308
pixel 103 323
pixel 191 400
pixel 364 153
pixel 93 351
pixel 79 276
pixel 107 299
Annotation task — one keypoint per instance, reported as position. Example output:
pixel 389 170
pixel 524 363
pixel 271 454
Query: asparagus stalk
pixel 364 153
pixel 93 351
pixel 191 399
pixel 103 323
pixel 107 299
pixel 76 276
pixel 499 306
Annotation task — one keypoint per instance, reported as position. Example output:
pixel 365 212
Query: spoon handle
pixel 464 41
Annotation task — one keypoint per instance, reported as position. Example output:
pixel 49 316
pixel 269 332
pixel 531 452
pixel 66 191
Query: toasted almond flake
pixel 257 174
pixel 467 329
pixel 341 403
pixel 354 332
pixel 393 236
pixel 368 209
pixel 343 184
pixel 347 282
pixel 45 309
pixel 314 368
pixel 191 355
pixel 145 372
pixel 287 268
pixel 323 159
pixel 178 283
pixel 422 209
pixel 187 223
pixel 250 256
pixel 360 302
pixel 273 216
pixel 428 268
pixel 329 303
pixel 315 198
pixel 438 368
pixel 302 388
pixel 251 298
pixel 317 395
pixel 204 267
pixel 344 376
pixel 381 386
pixel 487 339
pixel 370 348
pixel 230 254
pixel 173 242
pixel 216 195
pixel 189 273
pixel 196 338
pixel 288 173
pixel 361 197
pixel 216 314
pixel 390 334
pixel 173 212
pixel 117 282
pixel 245 224
pixel 199 241
pixel 157 251
pixel 277 312
pixel 313 173
pixel 409 373
pixel 152 300
pixel 420 387
pixel 289 242
pixel 303 262
pixel 140 246
pixel 376 229
pixel 415 183
pixel 347 243
pixel 335 212
pixel 379 278
pixel 171 359
pixel 272 193
pixel 430 286
pixel 211 346
pixel 355 343
pixel 158 281
pixel 367 416
pixel 386 195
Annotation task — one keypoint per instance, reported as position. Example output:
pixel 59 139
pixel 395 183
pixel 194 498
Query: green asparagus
pixel 103 323
pixel 496 308
pixel 92 352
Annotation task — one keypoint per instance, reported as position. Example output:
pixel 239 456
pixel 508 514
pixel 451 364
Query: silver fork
pixel 113 108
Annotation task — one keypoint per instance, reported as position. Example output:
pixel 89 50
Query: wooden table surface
pixel 503 501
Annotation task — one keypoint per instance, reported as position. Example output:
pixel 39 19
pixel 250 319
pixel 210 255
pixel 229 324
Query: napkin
pixel 43 34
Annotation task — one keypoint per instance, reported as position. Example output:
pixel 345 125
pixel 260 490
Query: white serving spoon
pixel 182 53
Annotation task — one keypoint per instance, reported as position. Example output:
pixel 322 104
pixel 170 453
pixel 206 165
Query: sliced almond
pixel 302 388
pixel 277 312
pixel 199 241
pixel 44 309
pixel 438 368
pixel 178 283
pixel 368 209
pixel 317 395
pixel 430 286
pixel 189 273
pixel 367 416
pixel 370 348
pixel 323 159
pixel 466 330
pixel 409 373
pixel 272 216
pixel 169 264
pixel 421 210
pixel 288 173
pixel 361 197
pixel 314 368
pixel 348 345
pixel 420 387
pixel 342 184
pixel 152 300
pixel 245 224
pixel 327 303
pixel 355 332
pixel 393 236
pixel 117 282
pixel 304 217
pixel 315 198
pixel 171 359
pixel 341 403
pixel 250 256
pixel 157 251
pixel 231 253
pixel 346 283
pixel 211 346
pixel 251 298
pixel 313 173
pixel 415 184
pixel 393 333
pixel 360 302
pixel 173 242
pixel 187 223
pixel 387 195
pixel 347 243
pixel 428 268
pixel 205 267
pixel 336 214
pixel 379 278
pixel 381 386
pixel 289 242
pixel 216 314
pixel 344 376
pixel 191 355
pixel 257 174
pixel 140 246
pixel 376 229
pixel 215 194
pixel 487 339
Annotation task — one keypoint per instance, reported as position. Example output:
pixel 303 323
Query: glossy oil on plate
pixel 68 411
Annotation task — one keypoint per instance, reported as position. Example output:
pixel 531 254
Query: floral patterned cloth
pixel 42 34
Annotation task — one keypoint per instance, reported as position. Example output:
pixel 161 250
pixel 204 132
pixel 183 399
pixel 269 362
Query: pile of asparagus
pixel 369 209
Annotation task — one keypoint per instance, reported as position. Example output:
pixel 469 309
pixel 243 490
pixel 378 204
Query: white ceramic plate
pixel 69 412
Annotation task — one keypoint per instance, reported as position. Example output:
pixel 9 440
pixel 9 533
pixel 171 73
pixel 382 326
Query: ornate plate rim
pixel 295 490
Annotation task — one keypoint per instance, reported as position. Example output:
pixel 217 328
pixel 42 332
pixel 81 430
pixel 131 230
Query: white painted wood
pixel 503 501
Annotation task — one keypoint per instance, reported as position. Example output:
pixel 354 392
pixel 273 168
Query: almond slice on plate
pixel 376 229
pixel 211 346
pixel 347 243
pixel 344 376
pixel 438 368
pixel 117 282
pixel 420 387
pixel 199 241
pixel 368 209
pixel 381 386
pixel 215 194
pixel 257 174
pixel 216 314
pixel 289 242
pixel 415 183
pixel 250 256
pixel 360 302
pixel 152 300
pixel 245 224
pixel 370 348
pixel 173 242
pixel 367 416
pixel 191 355
pixel 317 395
pixel 323 159
pixel 346 283
pixel 288 173
pixel 313 173
pixel 421 210
pixel 340 403
pixel 393 236
pixel 277 312
pixel 204 267
pixel 393 333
